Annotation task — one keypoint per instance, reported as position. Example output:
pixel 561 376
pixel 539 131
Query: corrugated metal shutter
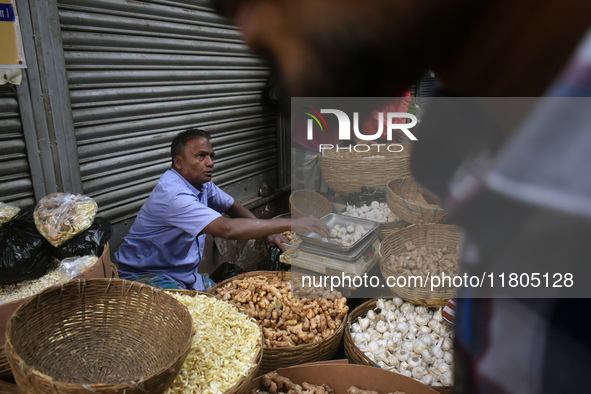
pixel 15 177
pixel 138 73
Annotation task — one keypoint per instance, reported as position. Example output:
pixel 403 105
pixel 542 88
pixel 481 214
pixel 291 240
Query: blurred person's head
pixel 377 48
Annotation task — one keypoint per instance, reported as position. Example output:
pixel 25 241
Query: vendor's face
pixel 195 163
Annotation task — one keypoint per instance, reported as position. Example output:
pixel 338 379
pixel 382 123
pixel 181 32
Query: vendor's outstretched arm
pixel 244 225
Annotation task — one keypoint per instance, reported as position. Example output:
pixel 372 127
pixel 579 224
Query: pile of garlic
pixel 348 235
pixel 411 340
pixel 376 211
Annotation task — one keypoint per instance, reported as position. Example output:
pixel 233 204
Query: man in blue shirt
pixel 164 246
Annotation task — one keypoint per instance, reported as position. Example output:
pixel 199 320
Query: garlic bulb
pixel 371 315
pixel 447 344
pixel 424 330
pixel 397 301
pixel 419 346
pixel 414 361
pixel 407 345
pixel 402 355
pixel 427 380
pixel 364 324
pixel 418 372
pixel 403 366
pixel 448 357
pixel 356 328
pixel 447 379
pixel 437 316
pixel 407 307
pixel 402 327
pixel 421 320
pixel 427 356
pixel 406 373
pixel 382 327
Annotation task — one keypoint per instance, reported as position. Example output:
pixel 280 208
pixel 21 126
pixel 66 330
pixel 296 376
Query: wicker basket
pixel 274 358
pixel 345 172
pixel 98 335
pixel 102 267
pixel 306 202
pixel 386 229
pixel 243 384
pixel 435 235
pixel 407 202
pixel 353 353
pixel 4 365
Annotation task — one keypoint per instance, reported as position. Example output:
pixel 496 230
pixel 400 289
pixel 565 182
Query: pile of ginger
pixel 273 383
pixel 285 320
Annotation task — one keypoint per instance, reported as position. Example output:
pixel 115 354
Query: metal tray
pixel 351 256
pixel 331 220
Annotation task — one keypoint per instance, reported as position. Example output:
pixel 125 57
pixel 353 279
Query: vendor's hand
pixel 309 224
pixel 277 239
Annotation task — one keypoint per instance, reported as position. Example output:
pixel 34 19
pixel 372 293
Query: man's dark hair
pixel 181 139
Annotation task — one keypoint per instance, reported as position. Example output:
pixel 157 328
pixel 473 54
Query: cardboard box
pixel 100 269
pixel 340 376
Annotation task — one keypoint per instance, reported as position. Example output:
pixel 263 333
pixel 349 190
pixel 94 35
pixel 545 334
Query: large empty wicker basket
pixel 98 336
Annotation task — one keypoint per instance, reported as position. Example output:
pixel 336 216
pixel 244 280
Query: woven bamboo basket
pixel 243 384
pixel 98 336
pixel 306 202
pixel 435 235
pixel 386 229
pixel 345 172
pixel 100 269
pixel 282 357
pixel 408 203
pixel 354 354
pixel 4 365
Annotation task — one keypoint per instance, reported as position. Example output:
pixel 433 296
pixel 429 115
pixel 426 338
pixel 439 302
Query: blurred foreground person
pixel 513 174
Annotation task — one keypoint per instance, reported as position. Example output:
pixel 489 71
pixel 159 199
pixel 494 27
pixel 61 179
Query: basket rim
pixel 94 386
pixel 415 210
pixel 325 202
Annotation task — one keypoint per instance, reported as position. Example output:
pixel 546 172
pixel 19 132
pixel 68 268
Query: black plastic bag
pixel 271 261
pixel 89 242
pixel 25 254
pixel 225 271
pixel 366 195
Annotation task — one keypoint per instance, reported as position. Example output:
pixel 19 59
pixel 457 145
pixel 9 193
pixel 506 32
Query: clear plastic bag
pixel 7 212
pixel 72 267
pixel 61 216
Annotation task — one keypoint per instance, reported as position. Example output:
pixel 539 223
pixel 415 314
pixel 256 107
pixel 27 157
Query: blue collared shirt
pixel 166 238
